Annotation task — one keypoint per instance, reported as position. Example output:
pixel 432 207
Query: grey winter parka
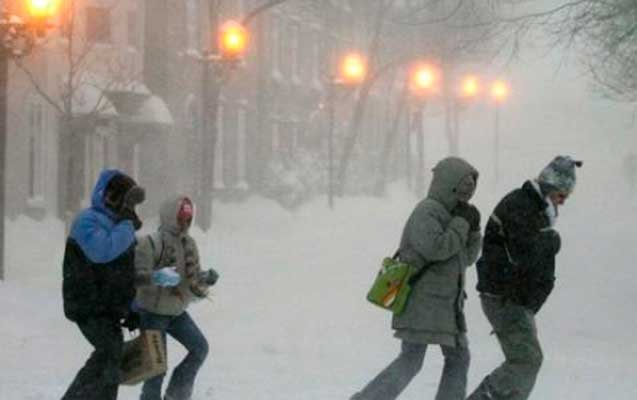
pixel 168 247
pixel 435 239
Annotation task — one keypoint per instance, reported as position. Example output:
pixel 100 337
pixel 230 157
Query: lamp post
pixel 231 42
pixel 467 91
pixel 17 39
pixel 352 72
pixel 424 82
pixel 499 92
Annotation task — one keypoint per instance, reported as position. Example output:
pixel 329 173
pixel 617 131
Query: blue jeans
pixel 183 329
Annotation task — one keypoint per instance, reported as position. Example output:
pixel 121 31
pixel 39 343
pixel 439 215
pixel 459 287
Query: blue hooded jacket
pixel 96 230
pixel 99 261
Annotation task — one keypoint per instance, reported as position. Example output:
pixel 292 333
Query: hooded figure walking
pixel 516 274
pixel 443 235
pixel 99 280
pixel 171 278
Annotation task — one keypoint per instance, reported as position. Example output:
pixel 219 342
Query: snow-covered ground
pixel 289 320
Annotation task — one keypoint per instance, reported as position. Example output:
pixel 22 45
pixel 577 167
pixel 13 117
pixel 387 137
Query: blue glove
pixel 166 277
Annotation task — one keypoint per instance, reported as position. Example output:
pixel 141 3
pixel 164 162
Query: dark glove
pixel 131 322
pixel 469 213
pixel 130 214
pixel 209 277
pixel 134 196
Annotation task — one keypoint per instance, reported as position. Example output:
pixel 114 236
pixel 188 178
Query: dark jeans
pixel 394 379
pixel 515 328
pixel 99 378
pixel 183 329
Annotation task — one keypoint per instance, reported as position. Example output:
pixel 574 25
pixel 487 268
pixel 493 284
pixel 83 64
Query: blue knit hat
pixel 559 175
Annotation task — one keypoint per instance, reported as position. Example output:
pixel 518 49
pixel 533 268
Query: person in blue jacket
pixel 99 280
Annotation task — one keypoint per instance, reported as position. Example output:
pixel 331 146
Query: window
pixel 192 25
pixel 36 156
pixel 218 182
pixel 294 48
pixel 98 25
pixel 134 36
pixel 241 145
pixel 274 43
pixel 95 153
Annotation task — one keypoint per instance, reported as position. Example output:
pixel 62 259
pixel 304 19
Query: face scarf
pixel 185 214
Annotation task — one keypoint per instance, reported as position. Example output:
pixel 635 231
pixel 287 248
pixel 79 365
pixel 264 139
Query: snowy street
pixel 289 319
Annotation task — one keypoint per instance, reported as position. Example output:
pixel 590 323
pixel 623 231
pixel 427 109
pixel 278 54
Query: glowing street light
pixel 353 69
pixel 470 87
pixel 500 91
pixel 233 40
pixel 424 78
pixel 42 9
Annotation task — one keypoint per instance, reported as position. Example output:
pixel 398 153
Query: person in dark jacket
pixel 516 274
pixel 99 280
pixel 442 236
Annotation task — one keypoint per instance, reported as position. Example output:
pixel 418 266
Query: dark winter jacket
pixel 98 266
pixel 519 248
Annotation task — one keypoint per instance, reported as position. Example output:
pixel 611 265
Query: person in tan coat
pixel 170 278
pixel 442 235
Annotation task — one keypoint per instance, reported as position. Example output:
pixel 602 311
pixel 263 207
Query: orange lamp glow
pixel 353 69
pixel 470 87
pixel 233 40
pixel 424 78
pixel 42 9
pixel 500 91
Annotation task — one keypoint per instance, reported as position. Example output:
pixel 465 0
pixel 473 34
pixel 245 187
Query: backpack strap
pixel 154 243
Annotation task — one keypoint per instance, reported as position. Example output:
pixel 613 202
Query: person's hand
pixel 469 213
pixel 130 214
pixel 166 277
pixel 131 321
pixel 133 197
pixel 209 277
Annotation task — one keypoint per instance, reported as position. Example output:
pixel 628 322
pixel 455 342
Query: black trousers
pixel 99 378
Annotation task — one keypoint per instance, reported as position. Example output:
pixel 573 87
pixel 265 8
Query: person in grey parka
pixel 443 235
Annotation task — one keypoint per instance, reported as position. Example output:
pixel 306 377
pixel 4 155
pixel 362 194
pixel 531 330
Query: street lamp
pixel 470 87
pixel 352 72
pixel 424 81
pixel 499 92
pixel 16 40
pixel 231 41
pixel 466 90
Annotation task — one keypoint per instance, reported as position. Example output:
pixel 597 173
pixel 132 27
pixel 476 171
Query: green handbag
pixel 392 285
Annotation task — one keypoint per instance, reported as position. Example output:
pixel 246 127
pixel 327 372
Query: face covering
pixel 185 214
pixel 466 188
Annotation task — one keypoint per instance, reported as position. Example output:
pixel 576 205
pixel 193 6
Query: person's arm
pixel 198 287
pixel 474 244
pixel 521 232
pixel 432 241
pixel 99 243
pixel 144 261
pixel 541 274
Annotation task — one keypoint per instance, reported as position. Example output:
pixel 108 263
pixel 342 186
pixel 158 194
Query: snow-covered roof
pixel 154 110
pixel 87 99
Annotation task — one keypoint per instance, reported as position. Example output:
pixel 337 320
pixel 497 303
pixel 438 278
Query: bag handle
pixel 416 277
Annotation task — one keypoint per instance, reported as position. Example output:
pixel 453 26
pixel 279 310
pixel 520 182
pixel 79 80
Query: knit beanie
pixel 559 175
